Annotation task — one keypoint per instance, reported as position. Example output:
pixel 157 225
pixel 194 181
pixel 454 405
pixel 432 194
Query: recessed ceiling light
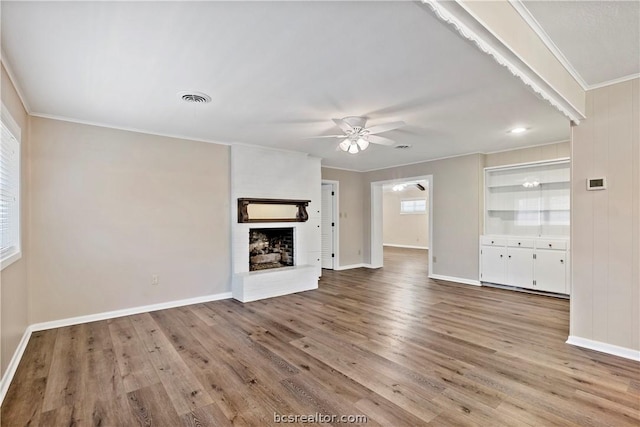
pixel 518 130
pixel 195 97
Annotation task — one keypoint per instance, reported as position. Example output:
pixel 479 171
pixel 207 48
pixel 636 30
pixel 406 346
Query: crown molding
pixel 125 128
pixel 14 81
pixel 614 81
pixel 471 28
pixel 537 28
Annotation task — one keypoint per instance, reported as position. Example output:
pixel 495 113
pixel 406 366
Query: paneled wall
pixel 605 234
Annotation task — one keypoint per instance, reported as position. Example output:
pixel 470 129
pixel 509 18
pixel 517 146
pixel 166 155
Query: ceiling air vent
pixel 195 97
pixel 402 147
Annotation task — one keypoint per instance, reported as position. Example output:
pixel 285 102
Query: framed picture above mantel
pixel 272 210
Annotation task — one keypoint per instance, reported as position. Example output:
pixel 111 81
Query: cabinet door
pixel 520 267
pixel 493 264
pixel 550 271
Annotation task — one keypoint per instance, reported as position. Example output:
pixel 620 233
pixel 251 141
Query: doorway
pixel 377 218
pixel 329 224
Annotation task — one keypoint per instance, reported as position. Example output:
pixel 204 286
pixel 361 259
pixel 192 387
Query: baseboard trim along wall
pixel 351 266
pixel 602 347
pixel 13 364
pixel 393 245
pixel 455 279
pixel 17 355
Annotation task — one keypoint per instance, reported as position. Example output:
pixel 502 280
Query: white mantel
pixel 272 174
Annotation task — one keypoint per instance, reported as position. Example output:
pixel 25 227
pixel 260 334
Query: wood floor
pixel 388 344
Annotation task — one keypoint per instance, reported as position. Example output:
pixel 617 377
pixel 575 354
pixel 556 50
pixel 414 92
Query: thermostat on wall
pixel 596 183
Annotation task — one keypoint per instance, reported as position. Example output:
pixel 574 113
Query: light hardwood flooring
pixel 389 344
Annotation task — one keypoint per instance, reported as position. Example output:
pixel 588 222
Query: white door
pixel 327 226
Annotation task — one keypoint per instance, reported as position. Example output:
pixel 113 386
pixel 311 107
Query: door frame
pixel 336 234
pixel 377 254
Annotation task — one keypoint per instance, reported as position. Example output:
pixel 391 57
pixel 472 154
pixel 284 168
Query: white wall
pixel 605 232
pixel 411 230
pixel 111 208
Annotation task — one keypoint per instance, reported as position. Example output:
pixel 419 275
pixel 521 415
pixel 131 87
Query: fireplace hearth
pixel 270 248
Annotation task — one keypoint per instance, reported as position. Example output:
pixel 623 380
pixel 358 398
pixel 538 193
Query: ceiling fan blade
pixel 326 136
pixel 381 140
pixel 343 125
pixel 384 127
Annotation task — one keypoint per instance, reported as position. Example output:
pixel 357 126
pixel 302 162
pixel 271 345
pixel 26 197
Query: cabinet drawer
pixel 493 241
pixel 551 244
pixel 520 243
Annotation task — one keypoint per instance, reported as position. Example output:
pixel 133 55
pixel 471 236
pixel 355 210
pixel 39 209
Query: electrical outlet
pixel 155 280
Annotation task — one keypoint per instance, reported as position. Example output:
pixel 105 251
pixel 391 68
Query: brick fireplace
pixel 270 248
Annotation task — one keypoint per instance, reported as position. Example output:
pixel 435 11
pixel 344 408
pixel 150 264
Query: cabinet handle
pixel 518 243
pixel 500 256
pixel 549 244
pixel 509 256
pixel 562 261
pixel 492 242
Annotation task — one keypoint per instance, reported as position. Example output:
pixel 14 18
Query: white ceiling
pixel 600 39
pixel 278 72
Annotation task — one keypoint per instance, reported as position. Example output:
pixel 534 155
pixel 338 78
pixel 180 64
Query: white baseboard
pixel 127 312
pixel 351 266
pixel 393 245
pixel 17 355
pixel 455 279
pixel 602 347
pixel 13 364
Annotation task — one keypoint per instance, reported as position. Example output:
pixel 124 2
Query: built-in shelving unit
pixel 527 214
pixel 528 200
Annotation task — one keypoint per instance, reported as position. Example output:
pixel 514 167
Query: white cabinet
pixel 493 267
pixel 525 262
pixel 551 271
pixel 520 267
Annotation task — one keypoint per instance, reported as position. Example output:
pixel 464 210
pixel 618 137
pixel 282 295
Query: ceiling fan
pixel 357 137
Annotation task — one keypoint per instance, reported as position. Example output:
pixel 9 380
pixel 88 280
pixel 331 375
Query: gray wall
pixel 13 279
pixel 111 208
pixel 605 235
pixel 350 199
pixel 456 200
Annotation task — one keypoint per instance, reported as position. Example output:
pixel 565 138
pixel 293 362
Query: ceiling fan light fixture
pixel 344 145
pixel 518 130
pixel 362 143
pixel 353 148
